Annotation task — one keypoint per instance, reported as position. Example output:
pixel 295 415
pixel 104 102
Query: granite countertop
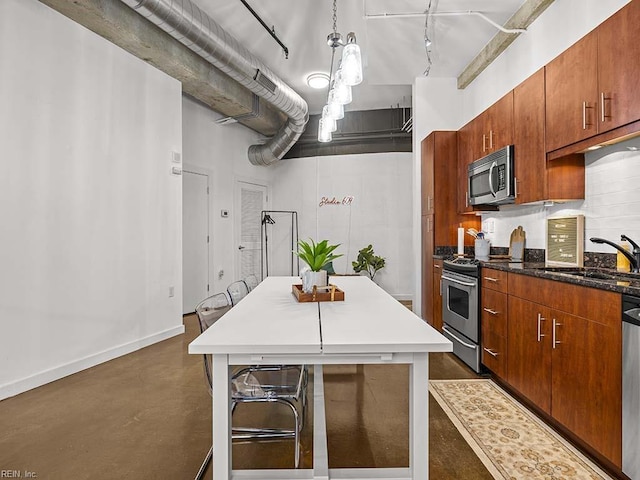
pixel 602 278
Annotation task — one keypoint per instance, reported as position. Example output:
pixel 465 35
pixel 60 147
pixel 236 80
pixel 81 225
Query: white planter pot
pixel 309 279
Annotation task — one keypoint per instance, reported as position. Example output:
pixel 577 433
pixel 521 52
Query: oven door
pixel 460 303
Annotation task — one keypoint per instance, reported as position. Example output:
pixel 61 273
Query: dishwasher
pixel 631 386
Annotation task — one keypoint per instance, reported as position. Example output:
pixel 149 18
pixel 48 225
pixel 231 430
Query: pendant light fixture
pixel 347 75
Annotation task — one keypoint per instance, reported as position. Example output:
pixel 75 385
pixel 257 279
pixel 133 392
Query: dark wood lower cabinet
pixel 437 295
pixel 529 344
pixel 585 386
pixel 565 356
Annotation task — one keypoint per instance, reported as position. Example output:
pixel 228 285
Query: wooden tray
pixel 332 294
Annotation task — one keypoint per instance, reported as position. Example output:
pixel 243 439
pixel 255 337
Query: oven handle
pixel 466 284
pixel 468 345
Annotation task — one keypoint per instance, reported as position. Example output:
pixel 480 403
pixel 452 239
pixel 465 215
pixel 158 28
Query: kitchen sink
pixel 595 273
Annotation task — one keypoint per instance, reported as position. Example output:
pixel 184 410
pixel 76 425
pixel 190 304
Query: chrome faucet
pixel 634 259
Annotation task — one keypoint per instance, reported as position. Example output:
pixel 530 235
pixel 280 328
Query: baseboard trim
pixel 20 386
pixel 402 297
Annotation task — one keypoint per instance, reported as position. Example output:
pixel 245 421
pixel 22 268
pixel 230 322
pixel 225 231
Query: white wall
pixel 439 111
pixel 220 151
pixel 380 213
pixel 90 229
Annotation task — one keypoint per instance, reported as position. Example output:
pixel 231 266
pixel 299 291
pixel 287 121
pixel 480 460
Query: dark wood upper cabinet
pixel 466 154
pixel 428 181
pixel 536 177
pixel 498 126
pixel 528 139
pixel 572 94
pixel 619 68
pixel 488 132
pixel 592 87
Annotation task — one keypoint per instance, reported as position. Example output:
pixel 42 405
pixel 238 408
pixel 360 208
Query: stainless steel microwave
pixel 491 179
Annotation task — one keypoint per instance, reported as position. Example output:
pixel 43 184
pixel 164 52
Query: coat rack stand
pixel 267 220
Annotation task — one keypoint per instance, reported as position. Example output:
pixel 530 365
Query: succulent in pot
pixel 316 256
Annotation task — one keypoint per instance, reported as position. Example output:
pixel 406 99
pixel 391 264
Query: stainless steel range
pixel 460 292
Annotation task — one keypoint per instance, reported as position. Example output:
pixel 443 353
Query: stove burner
pixel 467 266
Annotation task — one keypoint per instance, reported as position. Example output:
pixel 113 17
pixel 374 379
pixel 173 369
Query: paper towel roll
pixel 460 241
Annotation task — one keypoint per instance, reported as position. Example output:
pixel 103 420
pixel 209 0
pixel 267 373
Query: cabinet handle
pixel 489 279
pixel 492 312
pixel 540 334
pixel 555 324
pixel 466 198
pixel 584 115
pixel 490 139
pixel 515 187
pixel 603 110
pixel 488 350
pixel 436 266
pixel 484 142
pixel 429 202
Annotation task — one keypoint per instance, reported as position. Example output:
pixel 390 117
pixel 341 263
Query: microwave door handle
pixel 493 165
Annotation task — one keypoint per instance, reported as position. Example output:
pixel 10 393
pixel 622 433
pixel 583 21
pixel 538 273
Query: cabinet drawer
pixel 494 353
pixel 493 311
pixel 493 279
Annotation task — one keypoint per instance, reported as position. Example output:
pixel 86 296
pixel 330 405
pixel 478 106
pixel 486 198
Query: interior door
pixel 251 200
pixel 195 239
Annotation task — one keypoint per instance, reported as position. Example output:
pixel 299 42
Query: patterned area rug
pixel 511 442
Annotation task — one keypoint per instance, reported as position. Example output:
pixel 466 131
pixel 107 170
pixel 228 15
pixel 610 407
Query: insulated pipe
pixel 183 20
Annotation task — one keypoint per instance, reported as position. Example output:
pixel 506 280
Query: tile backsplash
pixel 611 206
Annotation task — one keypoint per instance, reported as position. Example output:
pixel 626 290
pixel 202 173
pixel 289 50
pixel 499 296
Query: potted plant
pixel 316 256
pixel 368 262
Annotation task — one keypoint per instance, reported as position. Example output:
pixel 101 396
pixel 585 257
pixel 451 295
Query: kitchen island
pixel 270 327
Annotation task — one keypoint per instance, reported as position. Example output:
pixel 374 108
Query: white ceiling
pixel 393 48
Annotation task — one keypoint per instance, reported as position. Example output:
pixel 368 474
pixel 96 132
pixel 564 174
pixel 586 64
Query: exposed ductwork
pixel 184 21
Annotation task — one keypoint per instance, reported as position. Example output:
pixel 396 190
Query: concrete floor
pixel 148 415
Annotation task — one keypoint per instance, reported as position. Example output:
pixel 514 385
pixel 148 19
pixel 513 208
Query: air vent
pixel 265 81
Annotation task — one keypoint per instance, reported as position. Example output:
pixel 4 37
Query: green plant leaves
pixel 316 255
pixel 368 261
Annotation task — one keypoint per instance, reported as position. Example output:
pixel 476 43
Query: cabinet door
pixel 427 268
pixel 445 192
pixel 437 295
pixel 586 381
pixel 572 94
pixel 499 124
pixel 466 155
pixel 528 139
pixel 493 314
pixel 427 174
pixel 529 364
pixel 618 67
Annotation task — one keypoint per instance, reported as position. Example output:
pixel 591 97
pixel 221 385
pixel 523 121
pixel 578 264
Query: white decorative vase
pixel 309 279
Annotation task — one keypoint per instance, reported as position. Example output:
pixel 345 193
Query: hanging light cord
pixel 333 47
